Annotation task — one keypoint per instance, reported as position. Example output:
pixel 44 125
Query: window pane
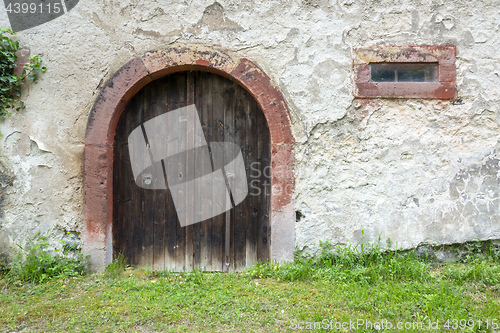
pixel 382 75
pixel 404 72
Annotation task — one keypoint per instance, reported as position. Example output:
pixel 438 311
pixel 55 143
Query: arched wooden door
pixel 146 228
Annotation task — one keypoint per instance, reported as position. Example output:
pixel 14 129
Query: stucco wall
pixel 415 171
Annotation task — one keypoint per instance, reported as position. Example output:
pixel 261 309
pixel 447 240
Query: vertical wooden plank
pixel 118 199
pixel 119 215
pixel 148 196
pixel 228 126
pixel 129 227
pixel 134 118
pixel 203 100
pixel 177 235
pixel 137 210
pixel 169 232
pixel 206 111
pixel 230 103
pixel 159 231
pixel 241 132
pixel 122 183
pixel 217 130
pixel 264 200
pixel 189 167
pixel 180 243
pixel 159 208
pixel 167 228
pixel 169 92
pixel 251 162
pixel 198 162
pixel 127 230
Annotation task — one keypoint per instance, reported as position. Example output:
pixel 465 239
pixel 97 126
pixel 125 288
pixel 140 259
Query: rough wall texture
pixel 415 171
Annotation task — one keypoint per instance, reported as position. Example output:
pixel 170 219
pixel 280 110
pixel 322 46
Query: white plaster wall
pixel 415 171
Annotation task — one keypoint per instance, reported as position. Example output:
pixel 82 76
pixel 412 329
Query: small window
pixel 405 72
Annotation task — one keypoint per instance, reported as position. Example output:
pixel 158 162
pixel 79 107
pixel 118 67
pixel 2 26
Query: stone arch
pixel 125 83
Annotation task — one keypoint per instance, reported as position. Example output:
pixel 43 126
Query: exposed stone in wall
pixel 414 171
pixel 214 19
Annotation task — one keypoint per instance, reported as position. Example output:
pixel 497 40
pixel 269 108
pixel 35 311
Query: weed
pixel 117 266
pixel 37 263
pixel 4 266
pixel 194 277
pixel 364 265
pixel 484 271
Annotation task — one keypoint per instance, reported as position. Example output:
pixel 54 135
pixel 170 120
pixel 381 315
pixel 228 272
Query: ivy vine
pixel 10 84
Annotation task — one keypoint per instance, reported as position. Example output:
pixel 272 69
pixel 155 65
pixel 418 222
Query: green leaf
pixel 10 91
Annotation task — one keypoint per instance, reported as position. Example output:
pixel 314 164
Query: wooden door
pixel 146 229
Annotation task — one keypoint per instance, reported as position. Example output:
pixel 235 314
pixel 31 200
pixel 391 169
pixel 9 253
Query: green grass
pixel 36 262
pixel 333 284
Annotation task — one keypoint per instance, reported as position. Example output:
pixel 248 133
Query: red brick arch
pixel 125 83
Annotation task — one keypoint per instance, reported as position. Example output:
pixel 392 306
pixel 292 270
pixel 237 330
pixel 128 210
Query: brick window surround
pixel 124 84
pixel 444 88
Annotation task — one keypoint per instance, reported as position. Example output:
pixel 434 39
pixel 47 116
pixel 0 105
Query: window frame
pixel 444 88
